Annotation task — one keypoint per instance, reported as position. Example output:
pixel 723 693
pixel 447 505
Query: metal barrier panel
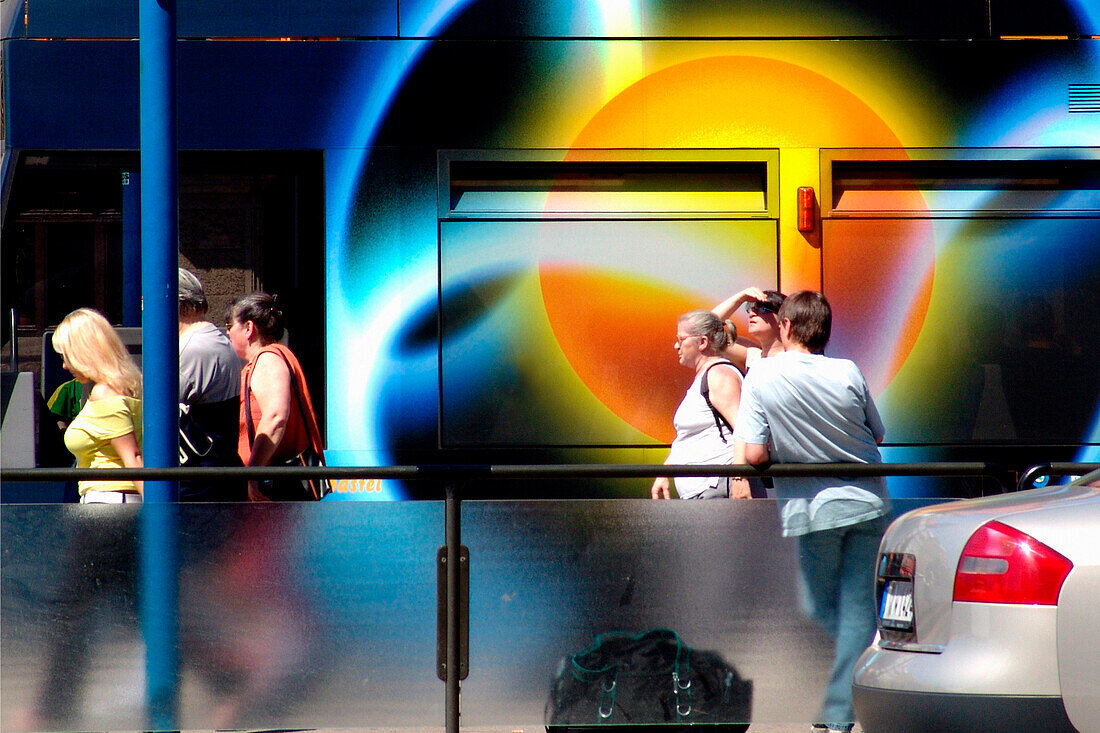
pixel 546 577
pixel 325 616
pixel 291 616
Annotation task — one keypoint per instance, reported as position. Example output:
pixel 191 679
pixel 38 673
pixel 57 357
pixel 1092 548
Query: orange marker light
pixel 806 206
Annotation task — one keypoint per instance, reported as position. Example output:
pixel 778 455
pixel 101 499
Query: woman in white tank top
pixel 704 419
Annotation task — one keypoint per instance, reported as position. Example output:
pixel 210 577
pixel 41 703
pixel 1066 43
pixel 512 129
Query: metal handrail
pixel 994 471
pixel 1028 477
pixel 207 472
pixel 465 472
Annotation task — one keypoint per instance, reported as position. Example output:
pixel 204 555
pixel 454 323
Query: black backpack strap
pixel 704 389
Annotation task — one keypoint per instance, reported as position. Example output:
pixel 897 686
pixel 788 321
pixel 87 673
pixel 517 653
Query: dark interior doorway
pixel 247 221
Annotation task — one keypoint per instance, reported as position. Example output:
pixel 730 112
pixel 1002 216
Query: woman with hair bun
pixel 704 419
pixel 277 422
pixel 107 431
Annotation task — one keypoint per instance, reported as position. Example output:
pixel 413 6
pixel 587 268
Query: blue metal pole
pixel 131 249
pixel 160 355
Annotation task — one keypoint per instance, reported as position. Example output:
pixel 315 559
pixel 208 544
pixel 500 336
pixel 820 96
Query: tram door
pixel 962 287
pixel 561 283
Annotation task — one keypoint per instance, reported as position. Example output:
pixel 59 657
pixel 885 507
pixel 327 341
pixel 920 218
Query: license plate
pixel 896 609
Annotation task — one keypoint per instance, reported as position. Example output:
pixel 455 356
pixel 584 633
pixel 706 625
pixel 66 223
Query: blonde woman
pixel 107 431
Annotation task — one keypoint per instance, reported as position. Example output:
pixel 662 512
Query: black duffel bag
pixel 652 680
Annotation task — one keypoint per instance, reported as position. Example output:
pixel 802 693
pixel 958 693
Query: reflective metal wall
pixel 546 577
pixel 324 616
pixel 290 616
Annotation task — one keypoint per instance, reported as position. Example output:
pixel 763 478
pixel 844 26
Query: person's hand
pixel 729 306
pixel 739 488
pixel 660 488
pixel 753 293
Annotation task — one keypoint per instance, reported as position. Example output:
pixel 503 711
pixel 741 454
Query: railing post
pixel 453 590
pixel 452 522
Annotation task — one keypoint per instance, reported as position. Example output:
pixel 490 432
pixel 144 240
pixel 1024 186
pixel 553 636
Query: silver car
pixel 989 616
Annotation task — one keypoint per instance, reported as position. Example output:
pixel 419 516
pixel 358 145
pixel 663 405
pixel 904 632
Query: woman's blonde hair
pixel 93 349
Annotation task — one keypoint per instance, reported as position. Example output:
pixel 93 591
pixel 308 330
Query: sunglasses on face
pixel 758 308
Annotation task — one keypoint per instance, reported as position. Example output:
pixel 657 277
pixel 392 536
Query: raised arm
pixel 729 306
pixel 740 354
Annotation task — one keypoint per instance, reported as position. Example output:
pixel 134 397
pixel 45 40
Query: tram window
pixel 965 187
pixel 496 187
pixel 971 330
pixel 984 273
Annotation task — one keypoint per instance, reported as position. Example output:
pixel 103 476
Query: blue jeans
pixel 838 568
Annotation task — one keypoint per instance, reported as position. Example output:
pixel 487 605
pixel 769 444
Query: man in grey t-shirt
pixel 803 407
pixel 210 391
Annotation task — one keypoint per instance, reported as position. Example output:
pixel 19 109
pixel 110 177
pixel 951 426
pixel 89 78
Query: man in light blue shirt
pixel 803 407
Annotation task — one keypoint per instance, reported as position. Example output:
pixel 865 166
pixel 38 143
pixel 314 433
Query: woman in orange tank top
pixel 277 422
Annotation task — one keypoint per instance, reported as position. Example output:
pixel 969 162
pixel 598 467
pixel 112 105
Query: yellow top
pixel 89 436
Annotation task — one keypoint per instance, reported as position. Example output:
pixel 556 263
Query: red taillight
pixel 1003 565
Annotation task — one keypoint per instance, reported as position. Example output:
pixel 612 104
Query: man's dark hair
pixel 811 319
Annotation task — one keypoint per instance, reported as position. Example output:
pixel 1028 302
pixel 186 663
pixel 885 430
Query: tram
pixel 491 213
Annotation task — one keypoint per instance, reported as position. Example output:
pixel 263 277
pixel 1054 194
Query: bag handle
pixel 681 665
pixel 607 675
